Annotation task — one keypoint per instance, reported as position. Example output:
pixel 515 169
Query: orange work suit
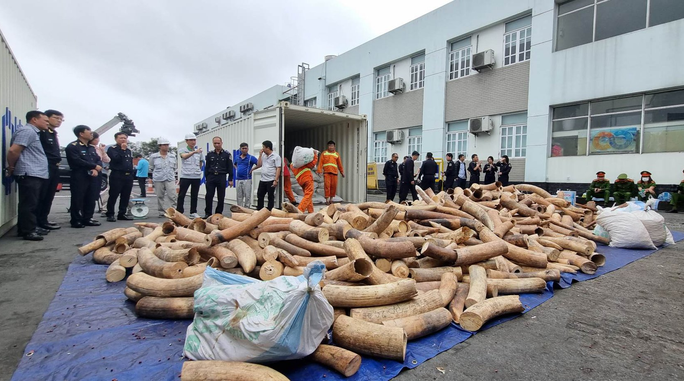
pixel 287 184
pixel 304 177
pixel 330 164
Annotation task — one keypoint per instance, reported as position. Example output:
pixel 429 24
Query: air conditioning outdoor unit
pixel 483 60
pixel 204 125
pixel 395 136
pixel 217 119
pixel 341 101
pixel 396 86
pixel 228 115
pixel 246 107
pixel 477 125
pixel 198 127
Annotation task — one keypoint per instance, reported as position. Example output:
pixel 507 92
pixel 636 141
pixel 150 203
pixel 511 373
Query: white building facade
pixel 575 86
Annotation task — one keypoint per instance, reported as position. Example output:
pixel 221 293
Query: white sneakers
pixel 194 215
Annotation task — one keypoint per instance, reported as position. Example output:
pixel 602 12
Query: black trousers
pixel 84 192
pixel 461 183
pixel 404 190
pixel 474 180
pixel 194 185
pixel 504 179
pixel 391 185
pixel 142 184
pixel 47 194
pixel 120 186
pixel 265 187
pixel 29 196
pixel 448 183
pixel 216 184
pixel 428 182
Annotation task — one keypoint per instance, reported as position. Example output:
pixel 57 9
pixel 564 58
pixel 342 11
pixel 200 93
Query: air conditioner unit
pixel 217 119
pixel 396 85
pixel 198 127
pixel 341 101
pixel 246 107
pixel 483 60
pixel 395 136
pixel 228 115
pixel 477 125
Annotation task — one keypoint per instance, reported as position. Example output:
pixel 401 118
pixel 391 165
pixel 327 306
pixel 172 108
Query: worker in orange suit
pixel 330 164
pixel 287 183
pixel 305 178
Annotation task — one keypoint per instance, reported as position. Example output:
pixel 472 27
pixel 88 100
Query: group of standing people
pixel 455 174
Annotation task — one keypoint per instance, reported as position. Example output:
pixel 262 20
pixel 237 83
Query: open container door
pixel 310 127
pixel 267 125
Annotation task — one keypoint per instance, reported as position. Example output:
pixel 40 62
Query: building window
pixel 459 63
pixel 417 72
pixel 310 102
pixel 584 21
pixel 518 41
pixel 457 138
pixel 380 147
pixel 514 135
pixel 331 99
pixel 355 95
pixel 415 141
pixel 616 125
pixel 381 82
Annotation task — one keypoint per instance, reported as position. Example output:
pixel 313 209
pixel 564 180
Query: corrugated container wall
pixel 16 98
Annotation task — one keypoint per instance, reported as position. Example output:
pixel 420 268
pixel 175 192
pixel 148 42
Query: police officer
pixel 600 187
pixel 120 177
pixel 48 138
pixel 624 189
pixel 407 178
pixel 391 177
pixel 219 164
pixel 450 172
pixel 427 172
pixel 86 166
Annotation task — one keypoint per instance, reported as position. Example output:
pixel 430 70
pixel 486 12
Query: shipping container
pixel 287 126
pixel 16 99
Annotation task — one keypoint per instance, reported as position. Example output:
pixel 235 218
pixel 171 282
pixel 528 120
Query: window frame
pixel 355 90
pixel 458 56
pixel 311 102
pixel 381 145
pixel 513 134
pixel 381 86
pixel 527 54
pixel 595 4
pixel 331 99
pixel 417 76
pixel 642 125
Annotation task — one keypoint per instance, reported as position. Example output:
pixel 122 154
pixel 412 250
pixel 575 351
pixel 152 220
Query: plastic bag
pixel 654 224
pixel 242 319
pixel 625 230
pixel 302 156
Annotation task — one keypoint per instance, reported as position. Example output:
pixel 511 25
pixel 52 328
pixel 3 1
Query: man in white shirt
pixel 163 166
pixel 271 165
pixel 190 176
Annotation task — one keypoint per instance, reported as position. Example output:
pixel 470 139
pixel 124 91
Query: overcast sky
pixel 170 63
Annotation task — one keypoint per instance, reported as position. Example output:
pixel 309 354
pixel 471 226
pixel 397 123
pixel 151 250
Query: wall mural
pixel 9 126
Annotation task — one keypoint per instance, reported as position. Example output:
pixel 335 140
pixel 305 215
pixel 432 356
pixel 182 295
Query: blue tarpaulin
pixel 90 331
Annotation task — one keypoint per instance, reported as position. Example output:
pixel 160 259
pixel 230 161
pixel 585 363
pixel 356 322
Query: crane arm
pixel 128 126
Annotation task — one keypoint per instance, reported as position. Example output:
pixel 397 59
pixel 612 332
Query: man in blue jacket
pixel 243 179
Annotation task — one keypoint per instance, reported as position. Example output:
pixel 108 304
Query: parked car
pixel 65 174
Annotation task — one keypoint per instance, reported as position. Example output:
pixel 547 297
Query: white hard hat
pixel 163 141
pixel 190 137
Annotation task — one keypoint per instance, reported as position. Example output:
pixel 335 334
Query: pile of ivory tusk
pixel 394 272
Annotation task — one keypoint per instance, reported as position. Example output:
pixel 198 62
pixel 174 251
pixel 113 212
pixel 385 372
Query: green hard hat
pixel 623 176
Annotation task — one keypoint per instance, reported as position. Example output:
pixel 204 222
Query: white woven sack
pixel 654 224
pixel 302 156
pixel 625 229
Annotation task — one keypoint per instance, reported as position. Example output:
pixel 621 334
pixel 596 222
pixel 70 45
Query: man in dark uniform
pixel 427 172
pixel 391 177
pixel 85 166
pixel 120 177
pixel 218 165
pixel 599 187
pixel 623 189
pixel 450 172
pixel 407 179
pixel 48 139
